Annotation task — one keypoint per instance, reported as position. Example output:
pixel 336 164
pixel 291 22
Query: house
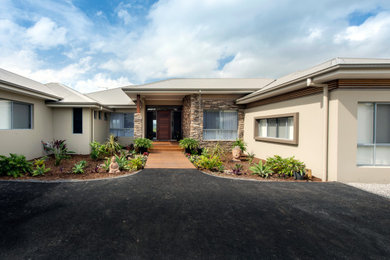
pixel 334 116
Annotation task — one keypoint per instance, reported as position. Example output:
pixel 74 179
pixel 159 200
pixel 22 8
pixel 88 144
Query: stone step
pixel 166 148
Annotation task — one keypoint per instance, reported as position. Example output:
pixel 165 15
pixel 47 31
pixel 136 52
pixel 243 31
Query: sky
pixel 95 45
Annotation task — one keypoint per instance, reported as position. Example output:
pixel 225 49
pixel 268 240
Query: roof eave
pixel 328 74
pixel 27 91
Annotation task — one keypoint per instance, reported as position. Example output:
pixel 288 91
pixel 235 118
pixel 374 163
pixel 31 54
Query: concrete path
pixel 185 214
pixel 168 160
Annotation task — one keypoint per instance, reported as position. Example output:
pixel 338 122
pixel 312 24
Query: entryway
pixel 163 123
pixel 168 155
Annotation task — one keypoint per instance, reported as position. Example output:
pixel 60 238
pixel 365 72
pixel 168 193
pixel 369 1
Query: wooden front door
pixel 164 125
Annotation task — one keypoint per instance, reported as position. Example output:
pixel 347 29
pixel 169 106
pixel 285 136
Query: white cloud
pixel 125 16
pixel 100 81
pixel 46 34
pixel 372 28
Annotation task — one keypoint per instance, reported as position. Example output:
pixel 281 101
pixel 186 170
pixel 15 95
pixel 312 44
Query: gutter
pixel 325 118
pixel 25 91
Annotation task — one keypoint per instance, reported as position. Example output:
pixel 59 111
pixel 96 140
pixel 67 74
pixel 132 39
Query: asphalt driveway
pixel 186 214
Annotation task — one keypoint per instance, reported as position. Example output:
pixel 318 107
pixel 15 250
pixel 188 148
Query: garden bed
pixel 64 170
pixel 245 173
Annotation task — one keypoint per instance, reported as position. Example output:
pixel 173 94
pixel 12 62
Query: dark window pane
pixel 383 123
pixel 128 120
pixel 77 120
pixel 211 120
pixel 21 116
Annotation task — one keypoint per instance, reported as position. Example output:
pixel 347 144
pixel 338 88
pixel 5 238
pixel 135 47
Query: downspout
pixel 325 111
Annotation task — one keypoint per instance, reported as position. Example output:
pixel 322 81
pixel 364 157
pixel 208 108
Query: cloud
pixel 100 81
pixel 46 34
pixel 58 41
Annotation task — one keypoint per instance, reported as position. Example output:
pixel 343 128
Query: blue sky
pixel 92 45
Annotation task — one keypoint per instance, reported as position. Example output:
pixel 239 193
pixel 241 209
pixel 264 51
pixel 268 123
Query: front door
pixel 164 125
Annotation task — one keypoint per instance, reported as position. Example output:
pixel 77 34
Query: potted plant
pixel 142 145
pixel 190 145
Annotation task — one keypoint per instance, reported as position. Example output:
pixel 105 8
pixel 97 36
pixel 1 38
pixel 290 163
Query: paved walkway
pixel 168 160
pixel 185 214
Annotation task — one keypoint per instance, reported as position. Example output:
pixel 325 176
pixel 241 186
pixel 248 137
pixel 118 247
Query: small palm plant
pixel 262 170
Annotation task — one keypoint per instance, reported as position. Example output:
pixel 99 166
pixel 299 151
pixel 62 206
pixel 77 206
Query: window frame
pixel 12 118
pixel 294 141
pixel 73 120
pixel 118 129
pixel 219 110
pixel 374 143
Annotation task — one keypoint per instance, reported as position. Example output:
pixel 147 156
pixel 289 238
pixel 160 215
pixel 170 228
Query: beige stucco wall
pixel 346 112
pixel 27 141
pixel 63 129
pixel 309 148
pixel 101 127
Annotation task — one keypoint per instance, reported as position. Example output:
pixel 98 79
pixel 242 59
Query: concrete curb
pixel 73 180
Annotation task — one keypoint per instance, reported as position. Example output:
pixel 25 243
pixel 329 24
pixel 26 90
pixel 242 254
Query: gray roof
pixel 26 84
pixel 69 95
pixel 316 70
pixel 219 84
pixel 112 97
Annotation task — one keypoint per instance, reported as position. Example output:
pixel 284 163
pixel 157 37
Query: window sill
pixel 219 140
pixel 276 140
pixel 374 166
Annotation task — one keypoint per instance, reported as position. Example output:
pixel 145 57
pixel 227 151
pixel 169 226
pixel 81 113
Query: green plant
pixel 98 151
pixel 218 150
pixel 237 169
pixel 144 143
pixel 251 156
pixel 14 165
pixel 221 168
pixel 40 162
pixel 106 164
pixel 40 170
pixel 193 158
pixel 212 162
pixel 60 151
pixel 285 166
pixel 78 168
pixel 123 163
pixel 206 152
pixel 189 143
pixel 240 143
pixel 112 146
pixel 137 163
pixel 262 170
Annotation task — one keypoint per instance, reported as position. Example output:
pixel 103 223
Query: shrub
pixel 240 143
pixel 106 164
pixel 123 163
pixel 112 146
pixel 218 150
pixel 60 151
pixel 40 170
pixel 237 169
pixel 40 162
pixel 14 165
pixel 211 163
pixel 262 170
pixel 189 144
pixel 285 166
pixel 98 151
pixel 78 168
pixel 251 156
pixel 137 163
pixel 142 143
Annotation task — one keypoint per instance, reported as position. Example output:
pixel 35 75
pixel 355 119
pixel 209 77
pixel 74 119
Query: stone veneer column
pixel 137 125
pixel 196 116
pixel 241 118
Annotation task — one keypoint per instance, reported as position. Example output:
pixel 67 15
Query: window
pixel 15 115
pixel 77 120
pixel 220 125
pixel 105 116
pixel 95 114
pixel 373 140
pixel 278 128
pixel 100 115
pixel 122 124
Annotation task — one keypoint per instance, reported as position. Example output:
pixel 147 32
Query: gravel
pixel 379 189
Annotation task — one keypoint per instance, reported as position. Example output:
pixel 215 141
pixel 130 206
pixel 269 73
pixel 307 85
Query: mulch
pixel 64 170
pixel 229 164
